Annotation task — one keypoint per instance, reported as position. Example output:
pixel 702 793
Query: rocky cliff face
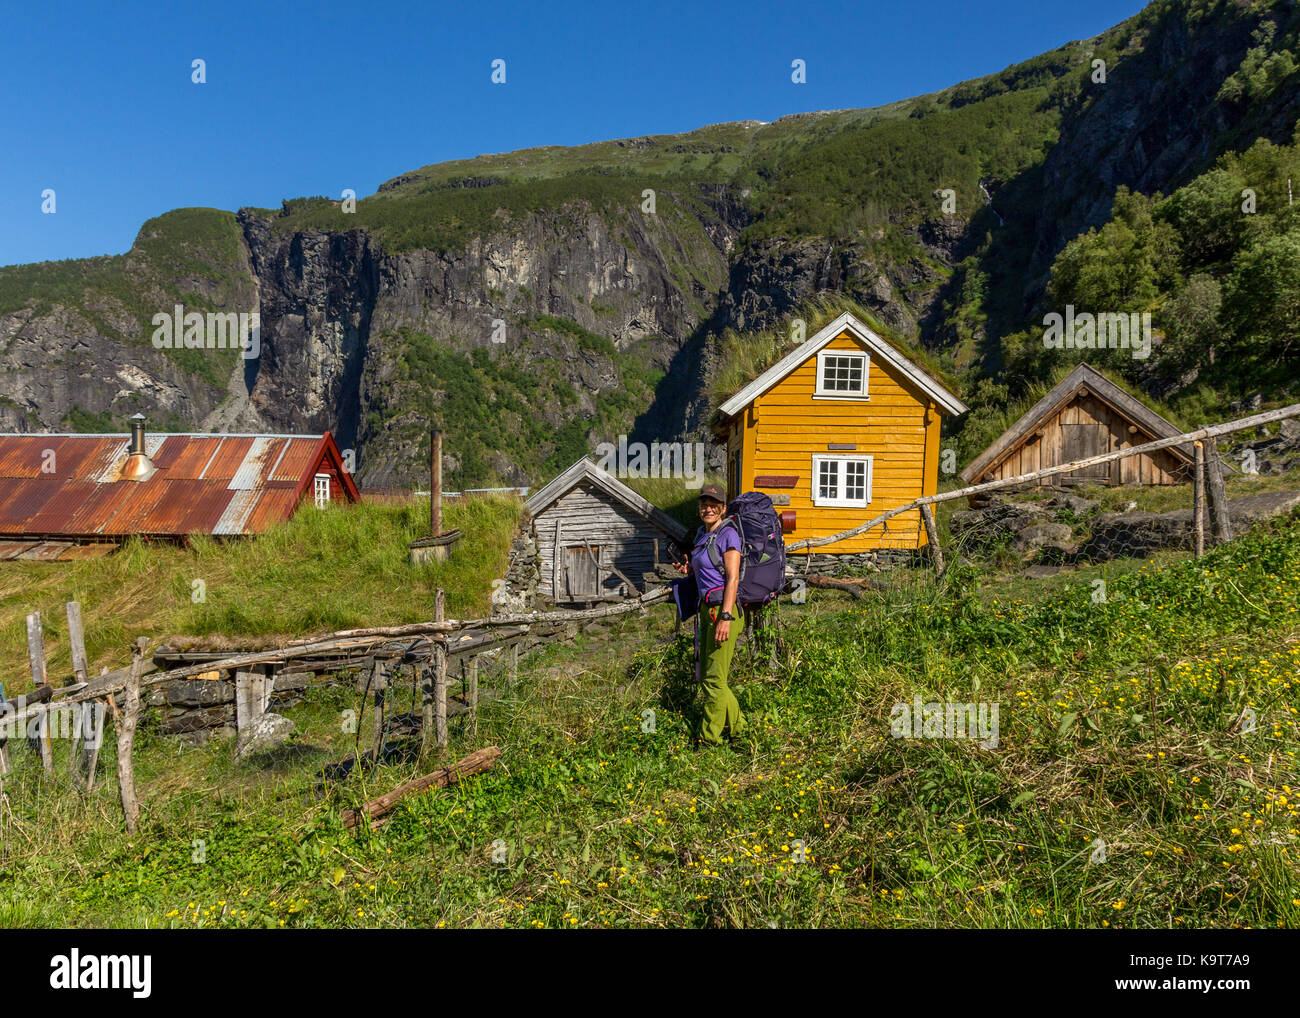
pixel 70 363
pixel 336 311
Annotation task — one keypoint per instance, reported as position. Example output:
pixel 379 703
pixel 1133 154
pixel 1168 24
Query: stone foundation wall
pixel 856 563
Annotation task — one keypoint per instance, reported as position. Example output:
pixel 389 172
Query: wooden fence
pixel 424 651
pixel 1208 488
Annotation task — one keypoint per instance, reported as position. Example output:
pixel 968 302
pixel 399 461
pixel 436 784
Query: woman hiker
pixel 720 622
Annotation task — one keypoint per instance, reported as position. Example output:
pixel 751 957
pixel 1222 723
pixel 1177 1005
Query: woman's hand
pixel 682 567
pixel 722 632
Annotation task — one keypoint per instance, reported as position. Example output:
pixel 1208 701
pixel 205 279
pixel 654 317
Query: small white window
pixel 842 374
pixel 322 490
pixel 841 481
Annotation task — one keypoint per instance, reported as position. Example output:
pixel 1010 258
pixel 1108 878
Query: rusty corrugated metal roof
pixel 70 486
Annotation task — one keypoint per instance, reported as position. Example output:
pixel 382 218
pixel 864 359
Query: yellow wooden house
pixel 843 428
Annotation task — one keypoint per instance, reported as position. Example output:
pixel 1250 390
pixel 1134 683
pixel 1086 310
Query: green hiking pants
pixel 721 711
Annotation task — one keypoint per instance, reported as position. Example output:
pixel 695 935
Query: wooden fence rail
pixel 1222 529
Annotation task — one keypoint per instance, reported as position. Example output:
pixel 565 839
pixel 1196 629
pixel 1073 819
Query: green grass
pixel 342 568
pixel 1119 721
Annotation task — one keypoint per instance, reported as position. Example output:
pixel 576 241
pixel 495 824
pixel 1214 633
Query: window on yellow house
pixel 841 481
pixel 842 374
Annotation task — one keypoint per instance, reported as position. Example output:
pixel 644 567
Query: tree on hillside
pixel 1122 267
pixel 1261 310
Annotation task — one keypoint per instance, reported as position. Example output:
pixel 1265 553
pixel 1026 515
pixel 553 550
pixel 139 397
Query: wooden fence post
pixel 126 738
pixel 932 535
pixel 77 638
pixel 4 742
pixel 381 704
pixel 440 677
pixel 40 744
pixel 434 717
pixel 36 649
pixel 473 696
pixel 1218 497
pixel 1198 500
pixel 88 737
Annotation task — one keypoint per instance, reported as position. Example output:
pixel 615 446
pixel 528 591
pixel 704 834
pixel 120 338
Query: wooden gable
pixel 1084 415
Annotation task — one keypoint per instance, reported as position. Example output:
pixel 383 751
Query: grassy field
pixel 320 571
pixel 1144 776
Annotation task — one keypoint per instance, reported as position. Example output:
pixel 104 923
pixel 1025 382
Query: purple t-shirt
pixel 707 578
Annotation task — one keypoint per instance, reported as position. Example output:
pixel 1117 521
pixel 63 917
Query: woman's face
pixel 710 511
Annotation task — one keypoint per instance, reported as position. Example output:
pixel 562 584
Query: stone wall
pixel 518 590
pixel 857 563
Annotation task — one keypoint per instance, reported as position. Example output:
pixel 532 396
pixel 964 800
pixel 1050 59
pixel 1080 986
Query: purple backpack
pixel 762 548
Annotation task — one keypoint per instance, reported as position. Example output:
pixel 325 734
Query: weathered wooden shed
pixel 596 537
pixel 1084 415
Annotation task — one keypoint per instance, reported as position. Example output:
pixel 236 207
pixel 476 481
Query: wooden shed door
pixel 583 574
pixel 1079 441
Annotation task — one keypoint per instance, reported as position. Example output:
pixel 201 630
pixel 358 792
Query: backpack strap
pixel 709 542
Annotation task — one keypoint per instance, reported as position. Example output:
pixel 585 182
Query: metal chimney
pixel 137 434
pixel 138 465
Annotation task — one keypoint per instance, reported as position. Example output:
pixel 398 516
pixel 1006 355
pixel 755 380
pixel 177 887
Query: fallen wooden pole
pixel 479 760
pixel 858 590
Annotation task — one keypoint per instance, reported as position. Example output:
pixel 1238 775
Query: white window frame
pixel 862 355
pixel 321 491
pixel 841 502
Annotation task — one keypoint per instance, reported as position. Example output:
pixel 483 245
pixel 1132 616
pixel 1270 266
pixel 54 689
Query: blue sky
pixel 306 99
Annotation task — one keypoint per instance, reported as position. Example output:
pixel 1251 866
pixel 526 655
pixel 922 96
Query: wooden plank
pixel 77 638
pixel 479 760
pixel 776 480
pixel 556 555
pixel 126 739
pixel 252 694
pixel 36 649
